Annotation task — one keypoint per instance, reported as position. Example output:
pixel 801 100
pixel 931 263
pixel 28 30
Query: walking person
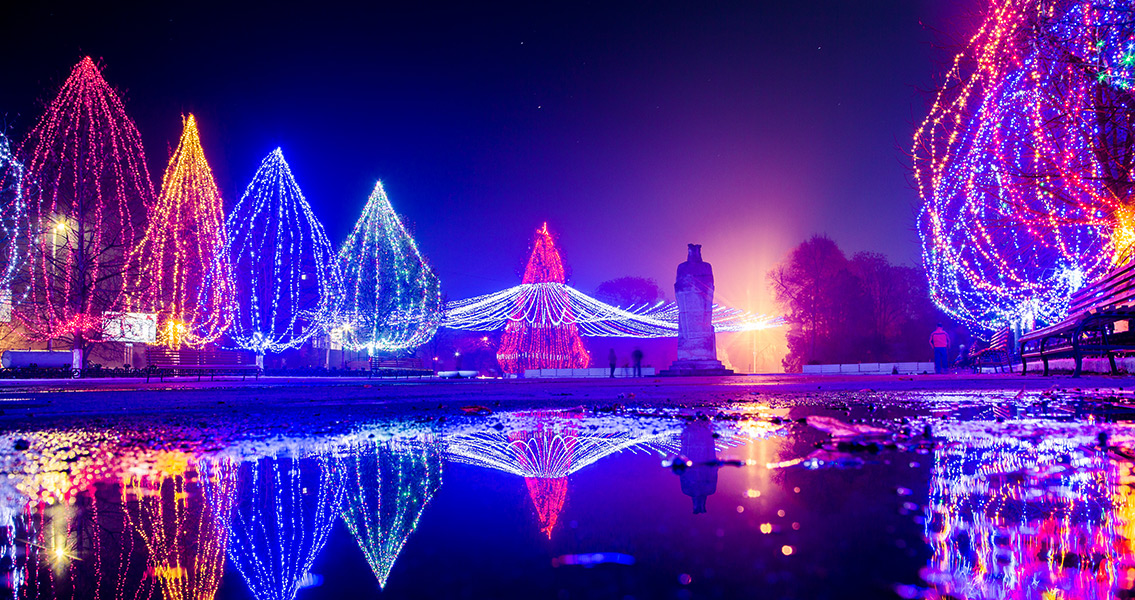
pixel 940 342
pixel 612 359
pixel 637 356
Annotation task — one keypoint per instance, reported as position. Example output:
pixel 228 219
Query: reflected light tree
pixel 388 488
pixel 182 515
pixel 283 517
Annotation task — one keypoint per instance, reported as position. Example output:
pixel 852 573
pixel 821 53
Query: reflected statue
pixel 699 479
pixel 388 487
pixel 182 515
pixel 285 510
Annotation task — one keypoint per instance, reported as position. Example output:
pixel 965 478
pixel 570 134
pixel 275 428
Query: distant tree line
pixel 849 310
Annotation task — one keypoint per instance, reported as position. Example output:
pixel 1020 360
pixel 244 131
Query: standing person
pixel 637 356
pixel 612 359
pixel 940 342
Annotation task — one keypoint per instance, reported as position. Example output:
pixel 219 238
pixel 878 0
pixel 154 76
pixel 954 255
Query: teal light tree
pixel 285 510
pixel 393 298
pixel 287 281
pixel 388 488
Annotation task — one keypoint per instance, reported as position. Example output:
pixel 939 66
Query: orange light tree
pixel 178 269
pixel 543 343
pixel 84 211
pixel 182 514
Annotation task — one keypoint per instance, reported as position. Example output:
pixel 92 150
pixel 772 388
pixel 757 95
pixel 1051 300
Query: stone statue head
pixel 694 252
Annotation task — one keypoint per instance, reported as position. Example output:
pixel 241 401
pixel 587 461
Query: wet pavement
pixel 616 490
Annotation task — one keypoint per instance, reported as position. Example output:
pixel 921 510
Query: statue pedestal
pixel 697 343
pixel 694 368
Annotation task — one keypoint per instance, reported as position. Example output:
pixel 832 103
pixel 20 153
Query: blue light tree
pixel 287 281
pixel 393 299
pixel 11 213
pixel 285 510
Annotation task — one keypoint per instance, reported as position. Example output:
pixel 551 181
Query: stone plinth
pixel 697 343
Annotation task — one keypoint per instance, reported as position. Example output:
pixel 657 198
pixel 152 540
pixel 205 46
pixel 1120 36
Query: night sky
pixel 631 129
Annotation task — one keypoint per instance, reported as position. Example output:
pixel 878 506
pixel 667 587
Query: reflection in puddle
pixel 1030 501
pixel 1028 516
pixel 389 485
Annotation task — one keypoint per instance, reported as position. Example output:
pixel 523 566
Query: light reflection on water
pixel 1000 503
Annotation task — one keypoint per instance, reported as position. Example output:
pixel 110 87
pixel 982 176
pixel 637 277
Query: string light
pixel 91 188
pixel 180 272
pixel 287 281
pixel 12 209
pixel 393 299
pixel 389 486
pixel 1020 163
pixel 274 551
pixel 542 344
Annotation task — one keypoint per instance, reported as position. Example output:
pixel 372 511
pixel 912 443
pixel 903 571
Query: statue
pixel 697 344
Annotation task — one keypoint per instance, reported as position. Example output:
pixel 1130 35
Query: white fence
pixel 584 373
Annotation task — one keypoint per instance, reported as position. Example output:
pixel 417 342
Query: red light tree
pixel 89 192
pixel 542 344
pixel 176 270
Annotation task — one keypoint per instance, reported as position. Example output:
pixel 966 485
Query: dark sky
pixel 631 129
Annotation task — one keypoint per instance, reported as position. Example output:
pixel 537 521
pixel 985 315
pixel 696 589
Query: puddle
pixel 806 496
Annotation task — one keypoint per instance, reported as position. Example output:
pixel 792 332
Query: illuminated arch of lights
pixel 1020 166
pixel 556 304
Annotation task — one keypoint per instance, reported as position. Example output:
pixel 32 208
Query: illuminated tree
pixel 282 521
pixel 182 515
pixel 388 488
pixel 179 269
pixel 87 193
pixel 393 298
pixel 1024 164
pixel 544 344
pixel 287 281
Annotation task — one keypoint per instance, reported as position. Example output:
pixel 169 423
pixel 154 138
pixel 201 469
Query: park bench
pixel 164 362
pixel 996 354
pixel 398 367
pixel 1097 323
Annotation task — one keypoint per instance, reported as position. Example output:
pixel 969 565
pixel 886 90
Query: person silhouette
pixel 637 356
pixel 699 480
pixel 613 360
